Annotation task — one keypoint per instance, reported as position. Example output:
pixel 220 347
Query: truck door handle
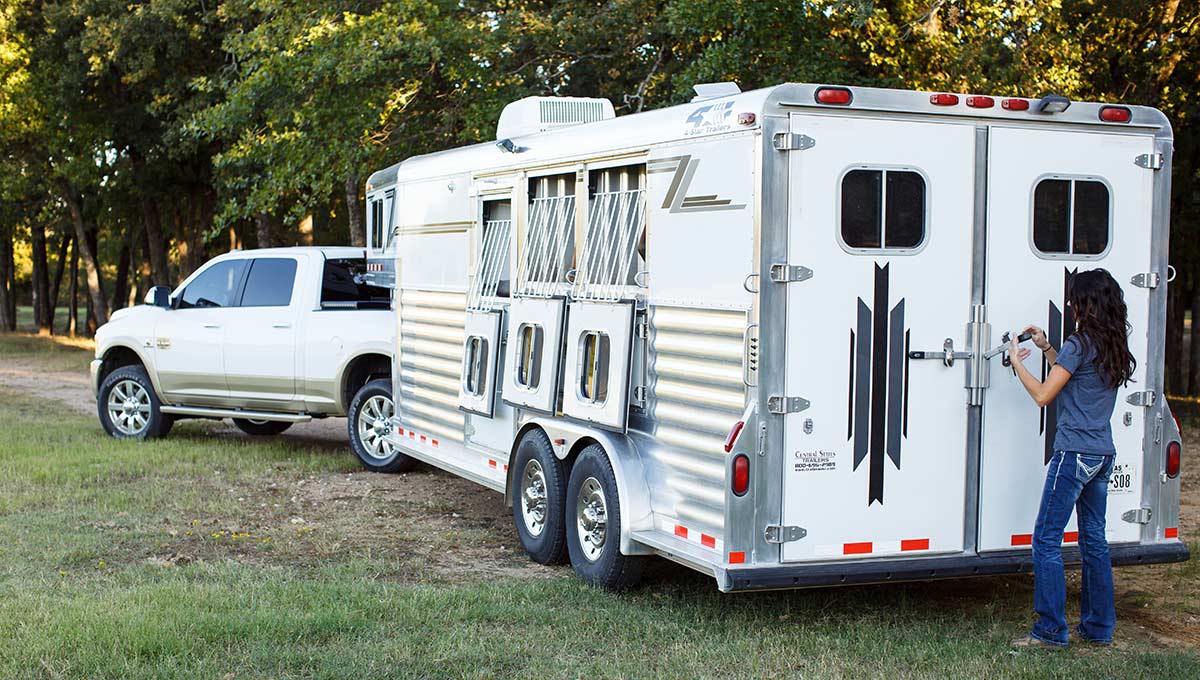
pixel 281 325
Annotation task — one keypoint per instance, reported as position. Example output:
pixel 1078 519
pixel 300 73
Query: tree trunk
pixel 354 213
pixel 8 321
pixel 156 246
pixel 1193 359
pixel 121 285
pixel 87 253
pixel 73 308
pixel 1176 371
pixel 59 268
pixel 42 315
pixel 262 223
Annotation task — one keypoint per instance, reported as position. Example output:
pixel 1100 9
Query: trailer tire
pixel 368 422
pixel 261 428
pixel 129 407
pixel 539 491
pixel 594 524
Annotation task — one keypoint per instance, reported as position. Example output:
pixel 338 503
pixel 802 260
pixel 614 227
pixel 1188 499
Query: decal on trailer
pixel 1060 324
pixel 709 119
pixel 878 414
pixel 677 200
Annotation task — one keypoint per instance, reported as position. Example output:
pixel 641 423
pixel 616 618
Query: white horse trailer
pixel 753 333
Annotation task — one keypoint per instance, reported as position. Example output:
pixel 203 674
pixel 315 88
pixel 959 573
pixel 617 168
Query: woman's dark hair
pixel 1098 306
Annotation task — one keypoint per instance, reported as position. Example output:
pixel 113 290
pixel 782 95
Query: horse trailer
pixel 759 333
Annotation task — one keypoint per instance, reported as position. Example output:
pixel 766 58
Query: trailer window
pixel 614 248
pixel 375 223
pixel 1070 217
pixel 593 358
pixel 530 339
pixel 475 375
pixel 548 249
pixel 882 209
pixel 491 277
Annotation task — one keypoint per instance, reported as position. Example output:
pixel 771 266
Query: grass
pixel 25 322
pixel 210 555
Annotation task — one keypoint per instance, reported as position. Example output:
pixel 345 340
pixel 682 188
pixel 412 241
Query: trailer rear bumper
pixel 929 568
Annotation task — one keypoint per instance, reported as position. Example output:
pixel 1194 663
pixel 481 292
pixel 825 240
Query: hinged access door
pixel 881 213
pixel 489 287
pixel 1059 202
pixel 481 352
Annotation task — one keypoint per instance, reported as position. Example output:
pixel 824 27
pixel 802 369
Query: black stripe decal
pixel 1054 336
pixel 862 383
pixel 895 382
pixel 850 391
pixel 878 384
pixel 907 343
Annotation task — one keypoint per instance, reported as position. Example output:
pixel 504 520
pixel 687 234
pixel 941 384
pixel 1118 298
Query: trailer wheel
pixel 128 406
pixel 261 428
pixel 539 482
pixel 594 528
pixel 369 422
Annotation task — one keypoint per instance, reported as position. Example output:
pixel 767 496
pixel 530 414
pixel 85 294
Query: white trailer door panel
pixel 1092 207
pixel 881 212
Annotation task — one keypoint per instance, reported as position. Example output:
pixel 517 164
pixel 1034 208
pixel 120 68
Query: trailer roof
pixel 720 115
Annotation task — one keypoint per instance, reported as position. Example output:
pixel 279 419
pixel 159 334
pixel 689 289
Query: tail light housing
pixel 943 99
pixel 980 102
pixel 1015 104
pixel 1174 453
pixel 837 96
pixel 1115 114
pixel 740 481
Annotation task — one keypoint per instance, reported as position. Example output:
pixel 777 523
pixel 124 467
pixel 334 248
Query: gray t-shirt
pixel 1085 404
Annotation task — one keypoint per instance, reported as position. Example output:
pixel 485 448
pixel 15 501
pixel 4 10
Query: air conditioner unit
pixel 539 114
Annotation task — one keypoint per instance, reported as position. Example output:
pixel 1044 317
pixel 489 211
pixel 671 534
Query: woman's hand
pixel 1038 336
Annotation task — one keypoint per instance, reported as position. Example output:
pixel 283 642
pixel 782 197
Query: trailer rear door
pixel 881 213
pixel 1059 202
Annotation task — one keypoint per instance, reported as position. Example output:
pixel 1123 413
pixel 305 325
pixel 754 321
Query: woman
pixel 1086 372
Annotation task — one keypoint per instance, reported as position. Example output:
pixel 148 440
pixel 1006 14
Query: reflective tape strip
pixel 400 431
pixel 872 547
pixel 692 536
pixel 497 465
pixel 861 548
pixel 737 558
pixel 1171 532
pixel 1027 539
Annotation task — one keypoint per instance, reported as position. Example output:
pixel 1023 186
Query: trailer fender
pixel 632 491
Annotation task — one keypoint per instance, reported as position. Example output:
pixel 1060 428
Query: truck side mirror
pixel 159 296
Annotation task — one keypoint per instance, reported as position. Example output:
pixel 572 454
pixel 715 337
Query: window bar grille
pixel 490 266
pixel 544 255
pixel 614 229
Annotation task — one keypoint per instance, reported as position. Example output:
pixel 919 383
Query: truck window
pixel 344 285
pixel 270 282
pixel 882 209
pixel 1070 217
pixel 214 287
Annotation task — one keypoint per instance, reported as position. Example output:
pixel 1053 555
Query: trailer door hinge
pixel 1150 161
pixel 1145 280
pixel 792 141
pixel 780 405
pixel 1141 398
pixel 1137 515
pixel 789 273
pixel 782 533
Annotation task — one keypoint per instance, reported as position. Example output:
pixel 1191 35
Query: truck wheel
pixel 539 491
pixel 261 428
pixel 128 406
pixel 369 422
pixel 594 527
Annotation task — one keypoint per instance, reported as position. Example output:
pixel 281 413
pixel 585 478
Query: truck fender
pixel 632 491
pixel 130 346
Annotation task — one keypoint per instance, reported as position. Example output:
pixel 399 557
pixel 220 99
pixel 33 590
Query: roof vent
pixel 539 114
pixel 715 90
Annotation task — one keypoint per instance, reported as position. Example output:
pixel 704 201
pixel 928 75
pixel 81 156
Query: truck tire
pixel 594 524
pixel 539 493
pixel 261 428
pixel 128 406
pixel 368 423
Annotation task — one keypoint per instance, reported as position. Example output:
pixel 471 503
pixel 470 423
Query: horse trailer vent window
pixel 883 209
pixel 614 249
pixel 490 280
pixel 1070 217
pixel 375 231
pixel 475 378
pixel 530 339
pixel 593 379
pixel 548 250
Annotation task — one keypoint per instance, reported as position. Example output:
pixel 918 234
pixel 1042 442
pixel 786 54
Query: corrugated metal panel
pixel 431 338
pixel 696 394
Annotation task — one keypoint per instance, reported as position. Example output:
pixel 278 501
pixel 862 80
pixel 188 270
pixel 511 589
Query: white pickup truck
pixel 266 337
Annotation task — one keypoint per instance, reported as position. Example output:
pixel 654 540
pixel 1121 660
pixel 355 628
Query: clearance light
pixel 741 474
pixel 1115 114
pixel 1015 105
pixel 733 435
pixel 746 118
pixel 1053 103
pixel 943 99
pixel 837 96
pixel 1174 450
pixel 980 102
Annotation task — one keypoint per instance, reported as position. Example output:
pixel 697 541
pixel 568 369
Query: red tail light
pixel 1015 105
pixel 980 102
pixel 943 99
pixel 838 96
pixel 1115 114
pixel 1174 450
pixel 741 474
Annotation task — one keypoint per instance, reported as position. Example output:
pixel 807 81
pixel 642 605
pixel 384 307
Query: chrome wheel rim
pixel 129 407
pixel 374 427
pixel 591 518
pixel 533 498
pixel 254 421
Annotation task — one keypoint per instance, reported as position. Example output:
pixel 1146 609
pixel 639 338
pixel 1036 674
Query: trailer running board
pixel 206 412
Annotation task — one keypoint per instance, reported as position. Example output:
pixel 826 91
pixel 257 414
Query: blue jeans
pixel 1079 481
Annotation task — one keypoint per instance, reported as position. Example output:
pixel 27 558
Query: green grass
pixel 181 558
pixel 55 354
pixel 25 322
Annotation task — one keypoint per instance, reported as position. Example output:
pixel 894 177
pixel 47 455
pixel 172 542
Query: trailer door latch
pixel 783 533
pixel 1145 280
pixel 780 405
pixel 1137 515
pixel 789 273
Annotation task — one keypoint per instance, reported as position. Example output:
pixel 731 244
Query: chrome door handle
pixel 212 325
pixel 281 325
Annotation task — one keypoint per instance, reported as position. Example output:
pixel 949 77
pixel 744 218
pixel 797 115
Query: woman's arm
pixel 1042 392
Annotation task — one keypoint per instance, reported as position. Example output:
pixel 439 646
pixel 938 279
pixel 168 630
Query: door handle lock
pixel 947 355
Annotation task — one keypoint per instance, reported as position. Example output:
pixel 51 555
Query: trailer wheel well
pixel 361 370
pixel 118 357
